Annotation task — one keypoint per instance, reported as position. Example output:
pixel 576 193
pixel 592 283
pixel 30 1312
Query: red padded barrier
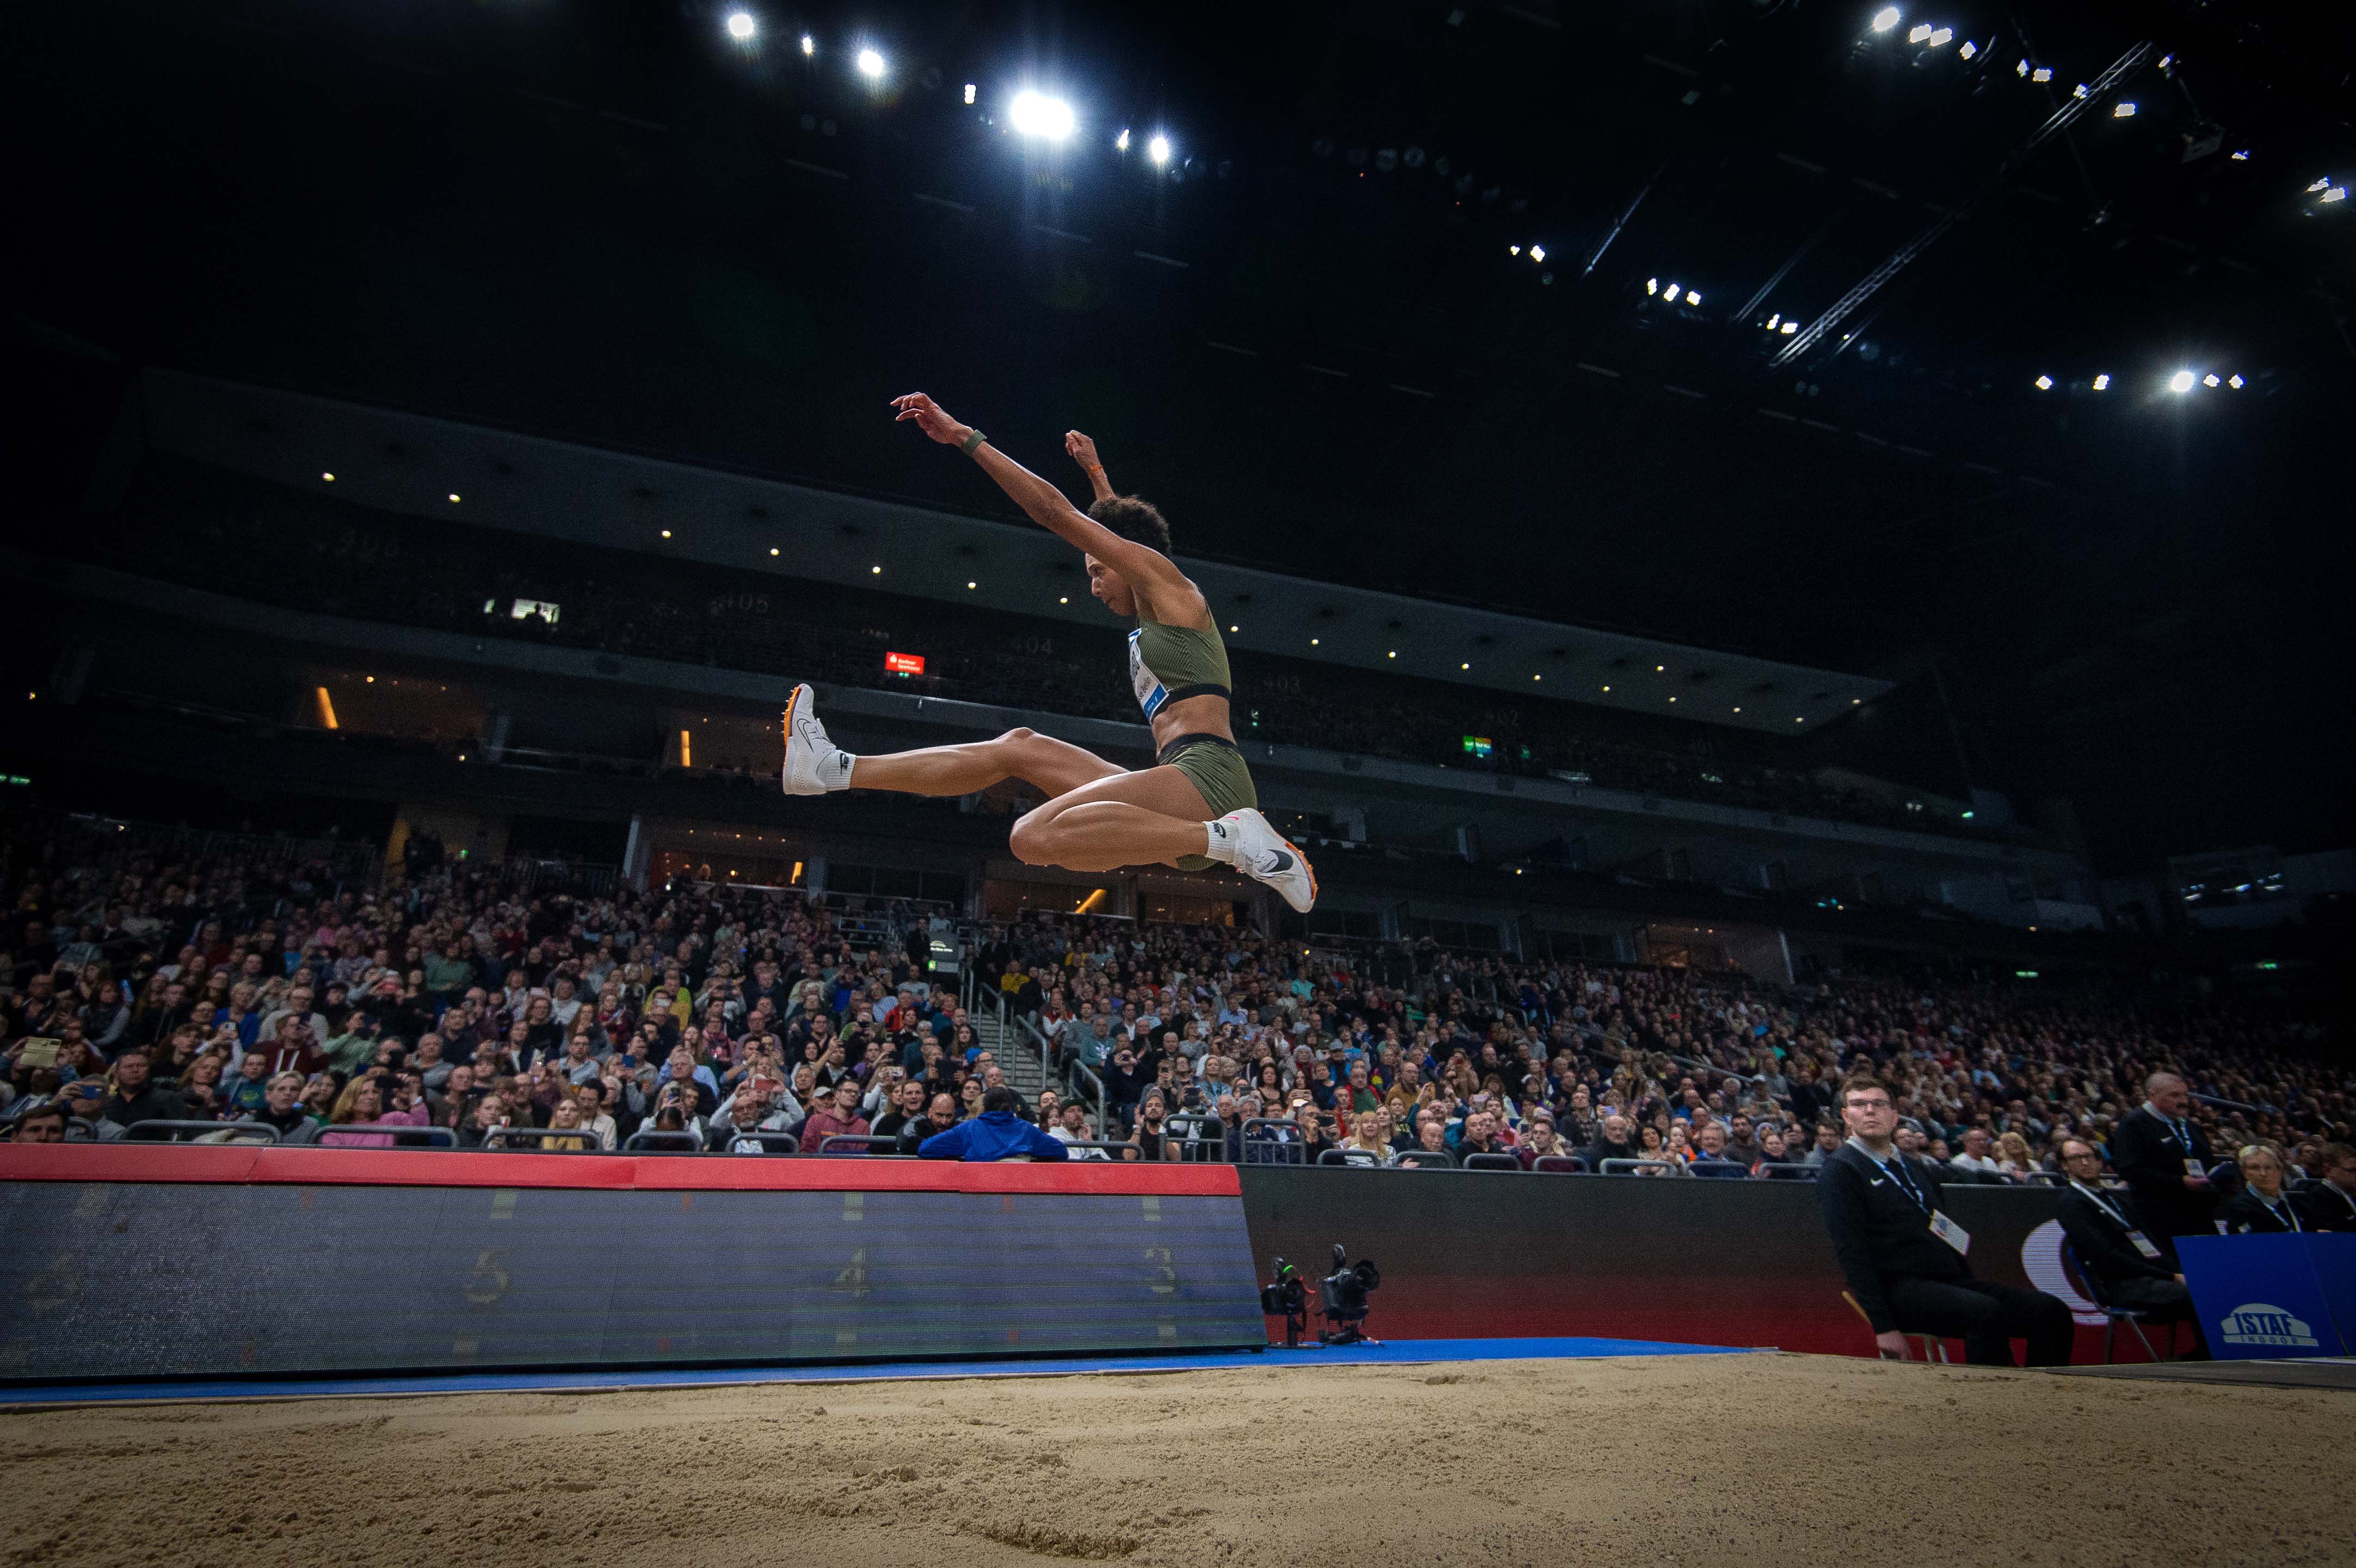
pixel 306 1166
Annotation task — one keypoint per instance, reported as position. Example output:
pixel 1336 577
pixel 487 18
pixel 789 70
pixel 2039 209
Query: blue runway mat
pixel 1398 1352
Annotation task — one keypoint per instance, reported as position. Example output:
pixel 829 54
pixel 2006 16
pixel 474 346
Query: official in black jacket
pixel 2331 1202
pixel 1903 1256
pixel 2109 1235
pixel 2264 1207
pixel 2159 1153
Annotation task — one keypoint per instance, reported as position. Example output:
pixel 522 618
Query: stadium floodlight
pixel 1919 35
pixel 1885 18
pixel 1693 296
pixel 1158 149
pixel 1036 114
pixel 2211 380
pixel 2123 111
pixel 742 26
pixel 2319 185
pixel 1537 252
pixel 969 93
pixel 2103 382
pixel 1120 143
pixel 809 44
pixel 2235 382
pixel 1513 250
pixel 2044 383
pixel 2078 91
pixel 2337 193
pixel 2020 69
pixel 1938 40
pixel 1790 327
pixel 2180 382
pixel 870 64
pixel 2042 73
pixel 1968 51
pixel 1652 285
pixel 1775 321
pixel 1671 292
pixel 2241 155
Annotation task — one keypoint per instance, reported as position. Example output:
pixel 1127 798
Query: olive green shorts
pixel 1219 775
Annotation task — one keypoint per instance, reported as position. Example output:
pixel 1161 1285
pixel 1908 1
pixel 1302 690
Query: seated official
pixel 2330 1203
pixel 1904 1256
pixel 2264 1206
pixel 997 1134
pixel 2106 1231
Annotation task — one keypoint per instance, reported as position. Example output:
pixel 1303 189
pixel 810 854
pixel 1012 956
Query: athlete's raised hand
pixel 1083 449
pixel 931 416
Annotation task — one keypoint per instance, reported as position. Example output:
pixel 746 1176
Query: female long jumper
pixel 1195 807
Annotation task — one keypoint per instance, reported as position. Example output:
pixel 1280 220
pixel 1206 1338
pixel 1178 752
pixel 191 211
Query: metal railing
pixel 1637 1167
pixel 1265 1148
pixel 1560 1165
pixel 544 1140
pixel 1492 1162
pixel 404 1134
pixel 168 1132
pixel 672 1140
pixel 858 1143
pixel 771 1141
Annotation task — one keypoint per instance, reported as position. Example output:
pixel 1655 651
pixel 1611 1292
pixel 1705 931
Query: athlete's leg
pixel 1056 767
pixel 816 766
pixel 1144 818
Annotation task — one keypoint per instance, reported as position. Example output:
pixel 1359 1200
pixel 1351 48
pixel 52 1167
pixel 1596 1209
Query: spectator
pixel 138 1098
pixel 997 1134
pixel 1975 1158
pixel 1710 1158
pixel 41 1125
pixel 1612 1143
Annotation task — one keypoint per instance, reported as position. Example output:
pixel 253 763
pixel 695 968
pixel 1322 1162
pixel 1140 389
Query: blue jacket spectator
pixel 997 1134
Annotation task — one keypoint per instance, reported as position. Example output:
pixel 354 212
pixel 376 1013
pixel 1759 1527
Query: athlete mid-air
pixel 1194 809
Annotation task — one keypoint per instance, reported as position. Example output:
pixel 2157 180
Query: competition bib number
pixel 1143 681
pixel 1947 1230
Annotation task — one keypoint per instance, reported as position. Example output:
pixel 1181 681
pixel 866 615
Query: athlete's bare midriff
pixel 1204 715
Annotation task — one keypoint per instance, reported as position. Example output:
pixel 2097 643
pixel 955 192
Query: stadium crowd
pixel 256 987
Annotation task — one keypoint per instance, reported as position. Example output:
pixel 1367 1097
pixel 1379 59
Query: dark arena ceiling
pixel 1392 314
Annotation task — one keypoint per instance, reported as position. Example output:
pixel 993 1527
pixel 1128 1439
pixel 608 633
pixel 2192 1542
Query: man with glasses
pixel 2109 1235
pixel 1904 1256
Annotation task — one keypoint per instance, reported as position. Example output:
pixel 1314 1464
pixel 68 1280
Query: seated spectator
pixel 138 1098
pixel 1612 1142
pixel 2013 1159
pixel 41 1125
pixel 2332 1201
pixel 835 1115
pixel 282 1110
pixel 1071 1127
pixel 1710 1159
pixel 1976 1156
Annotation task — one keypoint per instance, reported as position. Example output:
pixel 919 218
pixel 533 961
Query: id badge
pixel 2193 1168
pixel 2143 1244
pixel 1947 1230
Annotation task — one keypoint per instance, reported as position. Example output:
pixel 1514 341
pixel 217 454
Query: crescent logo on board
pixel 2041 1260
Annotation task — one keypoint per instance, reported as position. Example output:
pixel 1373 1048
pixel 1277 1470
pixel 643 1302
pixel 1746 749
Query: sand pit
pixel 1686 1461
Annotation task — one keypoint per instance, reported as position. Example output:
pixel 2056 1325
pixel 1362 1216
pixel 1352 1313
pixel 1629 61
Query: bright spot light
pixel 1939 39
pixel 1652 285
pixel 2337 193
pixel 2180 382
pixel 2020 69
pixel 329 477
pixel 970 585
pixel 1968 51
pixel 2102 383
pixel 877 570
pixel 809 44
pixel 1537 252
pixel 969 93
pixel 1513 250
pixel 1036 114
pixel 2044 383
pixel 1693 296
pixel 1790 327
pixel 1885 18
pixel 1392 654
pixel 2235 382
pixel 2042 73
pixel 1158 149
pixel 453 498
pixel 1120 143
pixel 1774 321
pixel 2078 91
pixel 870 64
pixel 2211 380
pixel 1919 35
pixel 2122 111
pixel 773 549
pixel 741 25
pixel 2241 156
pixel 2317 185
pixel 1671 292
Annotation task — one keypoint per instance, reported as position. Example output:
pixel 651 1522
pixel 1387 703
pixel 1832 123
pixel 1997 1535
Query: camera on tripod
pixel 1341 1300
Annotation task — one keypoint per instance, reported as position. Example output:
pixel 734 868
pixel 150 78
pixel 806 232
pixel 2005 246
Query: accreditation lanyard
pixel 2143 1244
pixel 2282 1210
pixel 1946 1230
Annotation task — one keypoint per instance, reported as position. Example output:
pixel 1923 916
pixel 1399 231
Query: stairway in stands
pixel 1017 1054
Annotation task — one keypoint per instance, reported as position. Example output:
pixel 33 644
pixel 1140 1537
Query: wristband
pixel 1092 467
pixel 972 441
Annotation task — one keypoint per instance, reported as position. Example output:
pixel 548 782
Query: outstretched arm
pixel 1084 453
pixel 1046 505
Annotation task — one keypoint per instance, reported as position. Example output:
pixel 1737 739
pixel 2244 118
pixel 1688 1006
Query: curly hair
pixel 1133 519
